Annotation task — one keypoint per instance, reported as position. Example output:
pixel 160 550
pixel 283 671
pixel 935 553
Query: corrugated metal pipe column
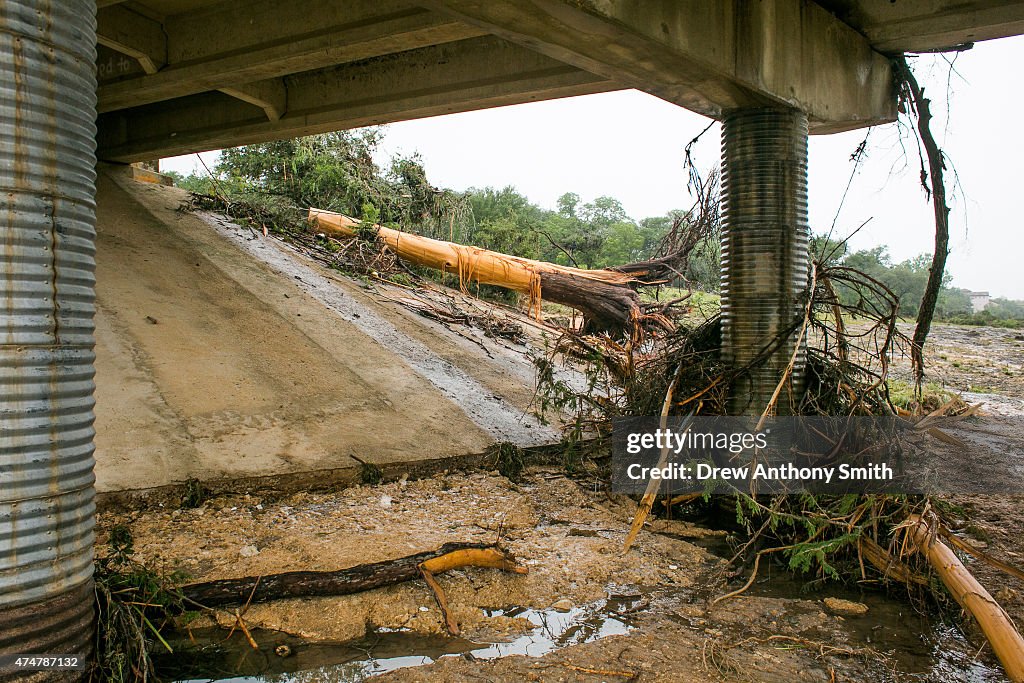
pixel 47 302
pixel 764 249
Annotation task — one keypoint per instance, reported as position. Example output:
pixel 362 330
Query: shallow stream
pixel 211 657
pixel 919 647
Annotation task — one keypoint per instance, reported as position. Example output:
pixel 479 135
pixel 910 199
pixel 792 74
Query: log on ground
pixel 1000 631
pixel 364 577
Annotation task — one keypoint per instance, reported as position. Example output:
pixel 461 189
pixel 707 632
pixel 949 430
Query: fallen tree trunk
pixel 607 298
pixel 364 577
pixel 994 622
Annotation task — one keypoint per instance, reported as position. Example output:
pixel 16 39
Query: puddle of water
pixel 556 630
pixel 211 658
pixel 996 403
pixel 921 647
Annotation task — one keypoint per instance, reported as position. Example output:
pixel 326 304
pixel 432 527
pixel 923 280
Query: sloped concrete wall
pixel 220 356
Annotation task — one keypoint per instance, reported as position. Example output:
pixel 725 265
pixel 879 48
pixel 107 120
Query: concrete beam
pixel 270 95
pixel 233 43
pixel 132 34
pixel 929 25
pixel 444 79
pixel 709 57
pixel 111 64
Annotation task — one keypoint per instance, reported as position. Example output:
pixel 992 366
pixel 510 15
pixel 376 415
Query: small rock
pixel 673 566
pixel 423 608
pixel 385 501
pixel 846 608
pixel 563 605
pixel 249 551
pixel 586 533
pixel 1005 594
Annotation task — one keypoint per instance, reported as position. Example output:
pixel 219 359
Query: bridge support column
pixel 47 302
pixel 764 250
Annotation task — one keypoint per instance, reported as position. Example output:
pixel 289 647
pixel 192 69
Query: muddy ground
pixel 985 365
pixel 569 535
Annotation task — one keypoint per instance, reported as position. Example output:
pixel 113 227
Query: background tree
pixel 337 171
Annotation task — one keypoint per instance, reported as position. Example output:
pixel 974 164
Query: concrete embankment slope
pixel 221 356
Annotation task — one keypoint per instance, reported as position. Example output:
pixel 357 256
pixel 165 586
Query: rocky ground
pixel 986 365
pixel 977 360
pixel 570 540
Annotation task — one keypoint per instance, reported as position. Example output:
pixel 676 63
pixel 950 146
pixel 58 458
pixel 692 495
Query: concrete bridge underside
pixel 179 76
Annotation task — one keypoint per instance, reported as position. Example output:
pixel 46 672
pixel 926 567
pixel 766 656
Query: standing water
pixel 286 659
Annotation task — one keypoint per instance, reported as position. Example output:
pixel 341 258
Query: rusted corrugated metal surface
pixel 764 246
pixel 47 264
pixel 56 623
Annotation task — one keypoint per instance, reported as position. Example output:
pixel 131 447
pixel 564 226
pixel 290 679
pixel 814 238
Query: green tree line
pixel 907 280
pixel 337 171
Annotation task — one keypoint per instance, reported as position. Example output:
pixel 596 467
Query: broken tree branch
pixel 364 577
pixel 994 622
pixel 647 502
pixel 935 185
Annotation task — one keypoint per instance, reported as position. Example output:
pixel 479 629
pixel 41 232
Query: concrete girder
pixel 233 44
pixel 929 25
pixel 132 34
pixel 270 95
pixel 707 57
pixel 471 74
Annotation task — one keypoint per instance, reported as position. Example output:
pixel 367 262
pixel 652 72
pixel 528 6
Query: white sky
pixel 629 145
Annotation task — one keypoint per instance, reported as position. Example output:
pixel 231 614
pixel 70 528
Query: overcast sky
pixel 629 145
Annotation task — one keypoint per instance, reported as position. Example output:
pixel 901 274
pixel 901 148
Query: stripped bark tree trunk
pixel 997 626
pixel 607 298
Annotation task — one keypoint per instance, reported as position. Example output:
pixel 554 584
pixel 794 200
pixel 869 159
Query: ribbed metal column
pixel 764 247
pixel 47 283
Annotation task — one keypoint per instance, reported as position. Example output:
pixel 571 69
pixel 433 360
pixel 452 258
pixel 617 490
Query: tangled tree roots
pixel 829 536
